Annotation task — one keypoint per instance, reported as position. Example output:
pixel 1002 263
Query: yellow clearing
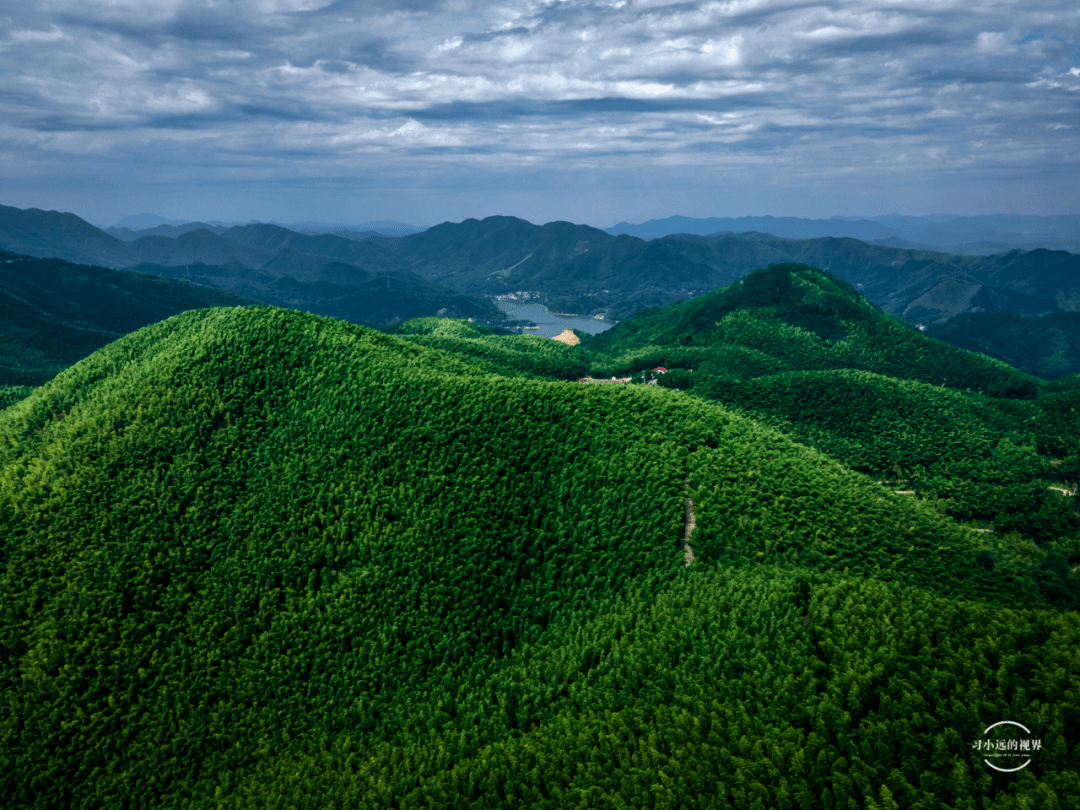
pixel 568 337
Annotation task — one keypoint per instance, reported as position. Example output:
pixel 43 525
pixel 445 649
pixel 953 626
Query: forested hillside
pixel 800 350
pixel 337 289
pixel 1047 346
pixel 791 317
pixel 53 313
pixel 256 557
pixel 524 355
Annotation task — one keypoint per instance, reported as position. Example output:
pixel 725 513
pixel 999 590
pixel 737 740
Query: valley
pixel 462 267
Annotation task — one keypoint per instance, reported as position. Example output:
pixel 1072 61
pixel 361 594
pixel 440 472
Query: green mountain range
pixel 263 262
pixel 570 268
pixel 985 234
pixel 252 556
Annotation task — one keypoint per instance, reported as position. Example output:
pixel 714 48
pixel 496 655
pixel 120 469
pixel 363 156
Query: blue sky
pixel 592 112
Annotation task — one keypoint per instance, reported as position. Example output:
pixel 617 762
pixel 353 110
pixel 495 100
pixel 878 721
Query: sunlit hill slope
pixel 255 557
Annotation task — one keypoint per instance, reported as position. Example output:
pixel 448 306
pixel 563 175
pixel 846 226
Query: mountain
pixel 575 268
pixel 263 262
pixel 53 313
pixel 1047 346
pixel 171 231
pixel 979 235
pixel 923 287
pixel 174 228
pixel 258 557
pixel 792 317
pixel 139 222
pixel 802 351
pixel 580 269
pixel 788 227
pixel 336 289
pixel 369 252
pixel 52 234
pixel 384 227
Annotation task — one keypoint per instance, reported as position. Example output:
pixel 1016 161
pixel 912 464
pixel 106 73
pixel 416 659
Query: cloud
pixel 465 92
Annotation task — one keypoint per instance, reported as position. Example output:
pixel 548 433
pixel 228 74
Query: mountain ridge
pixel 937 232
pixel 259 556
pixel 575 268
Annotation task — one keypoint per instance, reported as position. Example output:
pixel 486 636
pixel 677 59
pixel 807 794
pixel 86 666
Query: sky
pixel 592 112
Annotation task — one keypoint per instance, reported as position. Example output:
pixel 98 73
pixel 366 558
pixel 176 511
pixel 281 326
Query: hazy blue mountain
pixel 367 252
pixel 171 231
pixel 1009 227
pixel 195 246
pixel 266 263
pixel 141 222
pixel 53 234
pixel 386 227
pixel 975 235
pixel 789 227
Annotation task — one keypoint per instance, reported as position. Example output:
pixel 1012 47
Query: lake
pixel 549 323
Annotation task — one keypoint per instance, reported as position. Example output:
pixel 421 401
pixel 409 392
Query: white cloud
pixel 649 89
pixel 51 35
pixel 994 43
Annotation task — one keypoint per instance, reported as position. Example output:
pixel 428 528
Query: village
pixel 649 377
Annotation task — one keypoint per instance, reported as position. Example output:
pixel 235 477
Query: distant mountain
pixel 386 227
pixel 1007 228
pixel 789 227
pixel 338 289
pixel 52 234
pixel 359 280
pixel 367 252
pixel 980 235
pixel 53 313
pixel 581 269
pixel 171 231
pixel 139 222
pixel 576 268
pixel 367 230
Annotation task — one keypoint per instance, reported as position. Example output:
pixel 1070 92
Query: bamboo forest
pixel 252 557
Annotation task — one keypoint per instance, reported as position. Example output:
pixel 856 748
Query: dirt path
pixel 691 524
